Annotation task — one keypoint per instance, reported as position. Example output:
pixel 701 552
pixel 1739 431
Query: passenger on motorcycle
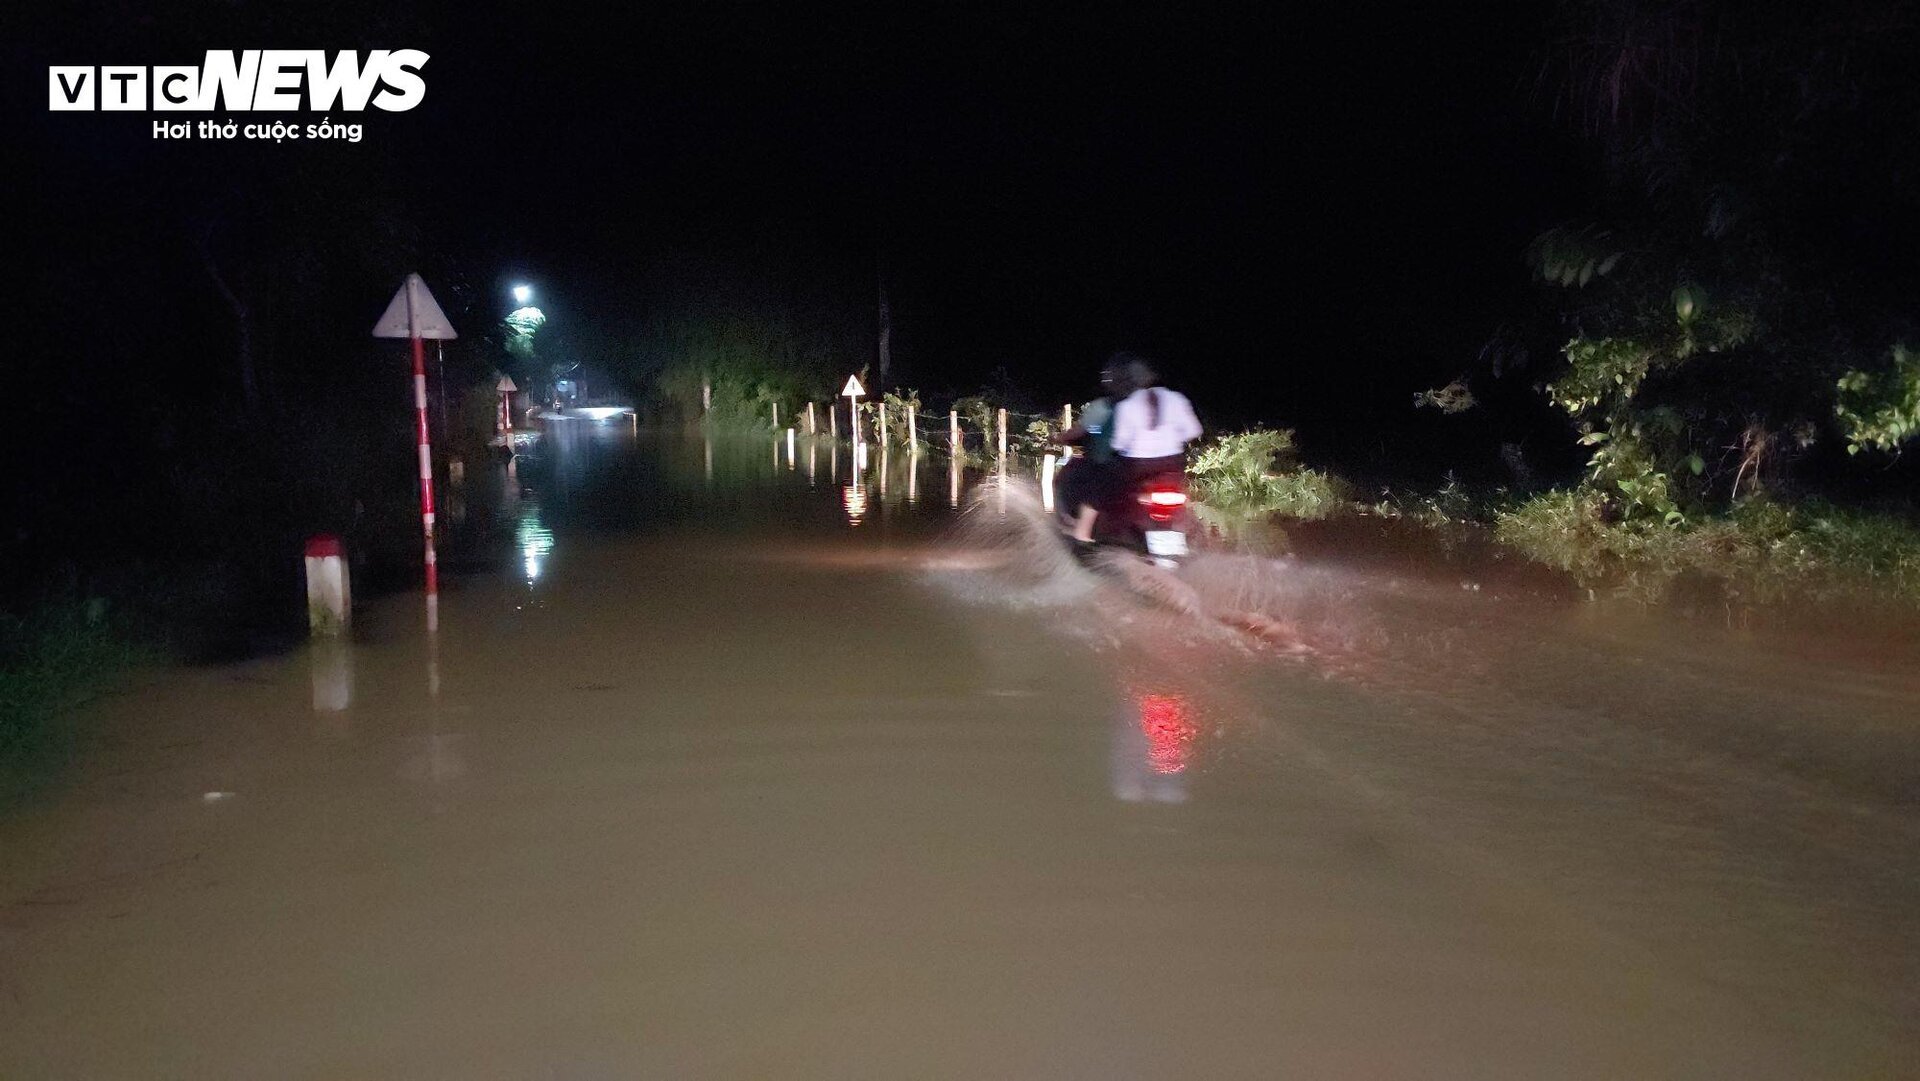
pixel 1152 425
pixel 1093 480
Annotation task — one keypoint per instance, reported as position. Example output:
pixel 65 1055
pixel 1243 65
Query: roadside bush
pixel 1764 549
pixel 1258 471
pixel 900 404
pixel 1562 529
pixel 1451 504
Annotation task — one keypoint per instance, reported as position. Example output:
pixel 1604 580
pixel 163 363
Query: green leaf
pixel 1697 464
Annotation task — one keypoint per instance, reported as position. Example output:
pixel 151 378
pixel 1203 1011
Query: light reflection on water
pixel 1164 718
pixel 887 480
pixel 854 498
pixel 533 539
pixel 1153 736
pixel 616 481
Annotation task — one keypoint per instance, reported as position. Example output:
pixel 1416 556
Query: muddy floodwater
pixel 730 762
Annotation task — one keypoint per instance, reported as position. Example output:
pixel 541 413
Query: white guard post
pixel 329 595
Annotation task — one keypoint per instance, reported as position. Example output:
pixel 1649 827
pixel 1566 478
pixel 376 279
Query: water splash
pixel 1015 539
pixel 1239 599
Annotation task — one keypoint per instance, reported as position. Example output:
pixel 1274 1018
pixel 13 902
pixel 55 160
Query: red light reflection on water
pixel 1168 723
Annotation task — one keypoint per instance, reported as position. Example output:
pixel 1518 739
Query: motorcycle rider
pixel 1090 481
pixel 1152 425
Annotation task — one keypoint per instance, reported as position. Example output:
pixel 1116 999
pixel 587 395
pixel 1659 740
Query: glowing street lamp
pixel 522 294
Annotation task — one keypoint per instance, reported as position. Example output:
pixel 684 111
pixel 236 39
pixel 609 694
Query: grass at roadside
pixel 1762 550
pixel 52 659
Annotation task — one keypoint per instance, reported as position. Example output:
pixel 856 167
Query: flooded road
pixel 727 764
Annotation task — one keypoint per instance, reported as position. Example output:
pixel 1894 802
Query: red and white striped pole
pixel 426 464
pixel 414 315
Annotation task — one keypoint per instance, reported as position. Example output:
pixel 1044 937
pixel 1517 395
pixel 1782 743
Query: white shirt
pixel 1134 434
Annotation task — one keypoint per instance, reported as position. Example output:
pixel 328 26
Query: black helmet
pixel 1134 369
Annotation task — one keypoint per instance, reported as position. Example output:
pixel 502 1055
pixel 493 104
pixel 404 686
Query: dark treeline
pixel 200 384
pixel 1734 314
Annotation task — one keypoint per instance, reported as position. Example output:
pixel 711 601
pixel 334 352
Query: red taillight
pixel 1162 503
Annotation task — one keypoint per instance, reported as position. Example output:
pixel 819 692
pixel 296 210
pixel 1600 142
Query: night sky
pixel 1306 216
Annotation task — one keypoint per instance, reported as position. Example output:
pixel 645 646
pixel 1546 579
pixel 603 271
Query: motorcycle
pixel 1147 516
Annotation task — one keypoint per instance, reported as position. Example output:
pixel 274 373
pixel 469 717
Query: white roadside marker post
pixel 329 594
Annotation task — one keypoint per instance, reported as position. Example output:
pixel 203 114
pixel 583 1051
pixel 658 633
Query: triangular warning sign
pixel 505 385
pixel 413 314
pixel 853 388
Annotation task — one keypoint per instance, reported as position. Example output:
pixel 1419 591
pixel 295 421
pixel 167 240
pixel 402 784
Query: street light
pixel 522 294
